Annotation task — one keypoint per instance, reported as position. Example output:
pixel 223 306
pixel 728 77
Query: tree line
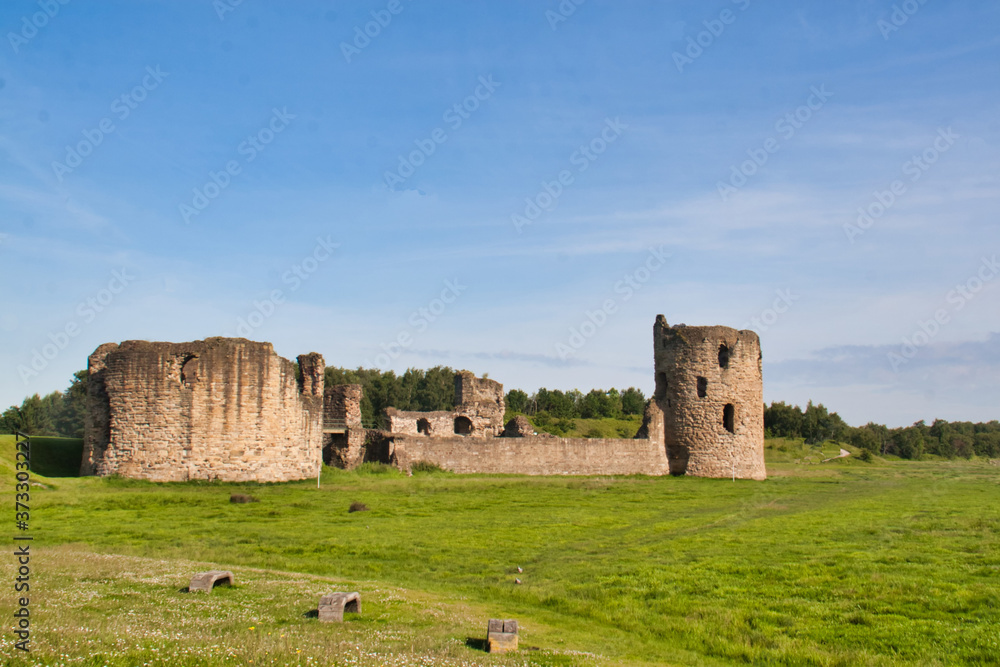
pixel 59 413
pixel 434 389
pixel 942 438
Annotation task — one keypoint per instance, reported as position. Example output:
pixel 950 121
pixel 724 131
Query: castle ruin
pixel 221 408
pixel 233 410
pixel 710 389
pixel 479 410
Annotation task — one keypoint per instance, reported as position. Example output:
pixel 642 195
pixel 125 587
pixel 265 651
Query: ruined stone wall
pixel 408 422
pixel 538 454
pixel 710 389
pixel 221 408
pixel 342 405
pixel 481 401
pixel 478 413
pixel 97 420
pixel 344 450
pixel 534 455
pixel 342 410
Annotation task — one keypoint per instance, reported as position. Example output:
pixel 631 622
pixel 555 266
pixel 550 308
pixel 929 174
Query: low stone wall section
pixel 534 455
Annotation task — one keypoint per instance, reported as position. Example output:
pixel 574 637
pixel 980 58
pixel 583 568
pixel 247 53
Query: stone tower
pixel 709 387
pixel 220 408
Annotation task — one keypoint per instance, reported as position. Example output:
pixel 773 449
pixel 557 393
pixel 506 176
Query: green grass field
pixel 842 563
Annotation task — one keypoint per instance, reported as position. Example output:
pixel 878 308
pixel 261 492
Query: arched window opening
pixel 463 426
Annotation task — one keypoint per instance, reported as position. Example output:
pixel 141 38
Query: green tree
pixel 614 404
pixel 633 401
pixel 908 443
pixel 10 420
pixel 783 421
pixel 598 404
pixel 985 443
pixel 37 414
pixel 516 401
pixel 870 437
pixel 818 425
pixel 593 404
pixel 436 390
pixel 556 403
pixel 70 417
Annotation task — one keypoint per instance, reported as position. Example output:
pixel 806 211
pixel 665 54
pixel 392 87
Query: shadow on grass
pixel 312 613
pixel 476 644
pixel 56 457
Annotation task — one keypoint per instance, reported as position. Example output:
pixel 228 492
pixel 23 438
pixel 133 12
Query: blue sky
pixel 477 181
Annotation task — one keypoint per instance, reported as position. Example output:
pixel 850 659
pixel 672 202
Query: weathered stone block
pixel 501 636
pixel 206 581
pixel 518 427
pixel 333 606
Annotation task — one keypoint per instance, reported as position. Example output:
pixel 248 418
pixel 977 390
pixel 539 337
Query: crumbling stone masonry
pixel 709 387
pixel 706 419
pixel 479 409
pixel 231 409
pixel 220 408
pixel 343 432
pixel 539 454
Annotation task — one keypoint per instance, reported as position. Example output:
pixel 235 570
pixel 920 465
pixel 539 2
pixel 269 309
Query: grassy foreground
pixel 841 563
